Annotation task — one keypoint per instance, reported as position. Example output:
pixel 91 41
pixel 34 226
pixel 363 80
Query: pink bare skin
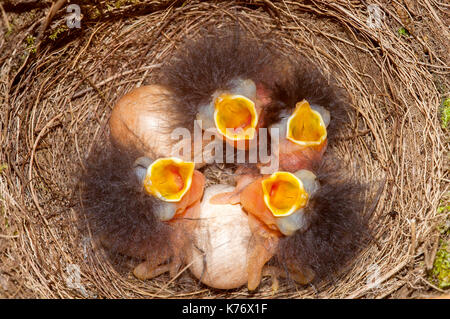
pixel 183 225
pixel 264 243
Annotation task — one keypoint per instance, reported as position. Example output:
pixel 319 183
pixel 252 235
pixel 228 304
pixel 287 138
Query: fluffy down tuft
pixel 338 229
pixel 119 214
pixel 211 62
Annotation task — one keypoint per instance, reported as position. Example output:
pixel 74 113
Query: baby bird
pixel 234 113
pixel 221 241
pixel 215 83
pixel 231 84
pixel 143 121
pixel 309 225
pixel 309 112
pixel 275 206
pixel 180 188
pixel 141 208
pixel 221 79
pixel 303 137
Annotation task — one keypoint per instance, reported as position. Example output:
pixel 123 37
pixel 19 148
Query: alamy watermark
pixel 376 16
pixel 374 278
pixel 73 19
pixel 73 280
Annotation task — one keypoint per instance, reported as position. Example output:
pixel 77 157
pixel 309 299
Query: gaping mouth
pixel 284 193
pixel 235 117
pixel 169 178
pixel 305 126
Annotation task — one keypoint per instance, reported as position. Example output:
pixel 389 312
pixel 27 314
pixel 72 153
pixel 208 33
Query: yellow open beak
pixel 235 117
pixel 169 178
pixel 305 126
pixel 284 193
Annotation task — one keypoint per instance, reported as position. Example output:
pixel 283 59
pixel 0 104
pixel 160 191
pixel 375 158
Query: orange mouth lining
pixel 235 116
pixel 283 193
pixel 306 126
pixel 169 178
pixel 175 181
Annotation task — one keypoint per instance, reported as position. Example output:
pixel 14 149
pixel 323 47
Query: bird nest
pixel 57 101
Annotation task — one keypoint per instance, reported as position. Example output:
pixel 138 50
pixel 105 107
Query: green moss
pixel 444 229
pixel 440 273
pixel 120 3
pixel 56 33
pixel 3 167
pixel 445 113
pixel 95 13
pixel 30 41
pixel 403 32
pixel 443 209
pixel 110 7
pixel 9 32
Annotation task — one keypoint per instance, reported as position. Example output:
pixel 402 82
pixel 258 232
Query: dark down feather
pixel 211 62
pixel 302 80
pixel 118 212
pixel 338 228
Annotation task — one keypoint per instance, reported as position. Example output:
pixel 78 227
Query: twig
pixel 51 13
pixel 33 194
pixel 396 269
pixel 175 277
pixel 112 78
pixel 8 236
pixel 93 86
pixel 391 273
pixel 358 134
pixel 429 257
pixel 5 18
pixel 412 247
